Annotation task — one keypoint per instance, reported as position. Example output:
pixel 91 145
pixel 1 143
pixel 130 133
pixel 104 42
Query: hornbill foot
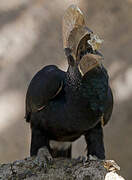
pixel 92 157
pixel 111 165
pixel 81 159
pixel 43 157
pixel 85 159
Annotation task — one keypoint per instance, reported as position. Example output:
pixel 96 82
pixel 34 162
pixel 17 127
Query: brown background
pixel 30 37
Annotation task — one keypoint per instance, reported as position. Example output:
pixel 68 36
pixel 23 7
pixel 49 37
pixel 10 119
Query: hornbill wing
pixel 44 86
pixel 109 107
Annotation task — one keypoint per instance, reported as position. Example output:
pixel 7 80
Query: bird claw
pixel 92 158
pixel 81 159
pixel 111 165
pixel 43 157
pixel 85 159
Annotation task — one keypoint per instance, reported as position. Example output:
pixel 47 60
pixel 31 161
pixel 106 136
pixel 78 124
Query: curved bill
pixel 74 29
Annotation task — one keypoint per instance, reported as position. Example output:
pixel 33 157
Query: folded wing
pixel 45 86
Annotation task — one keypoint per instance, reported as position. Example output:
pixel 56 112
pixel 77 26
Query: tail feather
pixel 61 149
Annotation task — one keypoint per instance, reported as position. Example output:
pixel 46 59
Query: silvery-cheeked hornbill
pixel 62 106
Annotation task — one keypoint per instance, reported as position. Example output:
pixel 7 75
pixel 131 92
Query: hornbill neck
pixel 73 78
pixel 80 88
pixel 72 85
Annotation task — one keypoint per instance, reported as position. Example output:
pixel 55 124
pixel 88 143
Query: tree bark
pixel 65 169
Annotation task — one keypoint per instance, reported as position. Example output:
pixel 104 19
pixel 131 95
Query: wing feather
pixel 44 86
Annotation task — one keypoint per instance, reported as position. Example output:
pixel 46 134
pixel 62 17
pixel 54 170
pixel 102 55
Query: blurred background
pixel 31 37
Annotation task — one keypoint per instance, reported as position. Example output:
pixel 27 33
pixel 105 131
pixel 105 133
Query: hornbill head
pixel 80 44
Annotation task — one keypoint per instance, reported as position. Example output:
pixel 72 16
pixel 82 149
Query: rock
pixel 60 169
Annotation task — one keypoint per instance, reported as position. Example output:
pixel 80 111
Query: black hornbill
pixel 62 106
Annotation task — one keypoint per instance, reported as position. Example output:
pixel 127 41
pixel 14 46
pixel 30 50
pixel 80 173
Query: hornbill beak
pixel 78 39
pixel 74 29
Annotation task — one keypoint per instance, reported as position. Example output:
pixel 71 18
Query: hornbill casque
pixel 62 106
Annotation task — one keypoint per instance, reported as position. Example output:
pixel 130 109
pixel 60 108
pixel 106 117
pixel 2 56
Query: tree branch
pixel 65 169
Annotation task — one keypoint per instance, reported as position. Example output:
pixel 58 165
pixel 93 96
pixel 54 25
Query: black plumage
pixel 74 111
pixel 62 106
